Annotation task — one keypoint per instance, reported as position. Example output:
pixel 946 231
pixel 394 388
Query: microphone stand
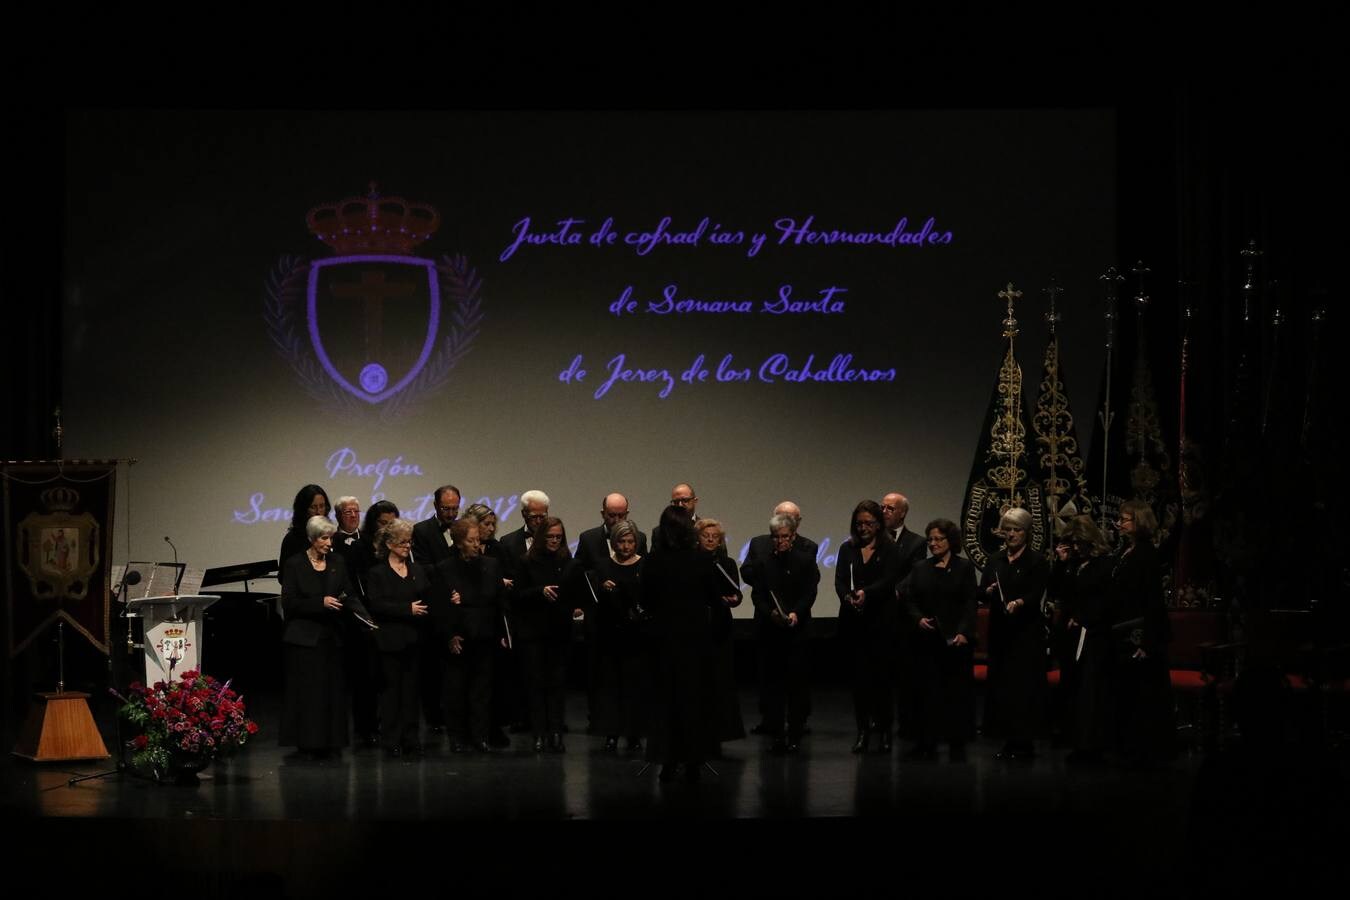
pixel 123 768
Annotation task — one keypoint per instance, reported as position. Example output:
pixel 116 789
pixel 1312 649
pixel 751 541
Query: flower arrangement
pixel 185 724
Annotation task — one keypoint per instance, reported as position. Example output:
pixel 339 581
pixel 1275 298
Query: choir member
pixel 938 597
pixel 785 582
pixel 469 622
pixel 361 660
pixel 1143 682
pixel 546 601
pixel 316 593
pixel 621 679
pixel 684 595
pixel 713 546
pixel 505 685
pixel 398 592
pixel 311 501
pixel 431 536
pixel 1013 587
pixel 1084 588
pixel 865 578
pixel 761 546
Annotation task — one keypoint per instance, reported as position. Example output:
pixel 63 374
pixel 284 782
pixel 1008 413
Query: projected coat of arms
pixel 374 326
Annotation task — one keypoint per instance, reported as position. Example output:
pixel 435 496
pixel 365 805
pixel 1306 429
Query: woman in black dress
pixel 1013 587
pixel 508 696
pixel 315 596
pixel 545 602
pixel 865 576
pixel 380 514
pixel 397 592
pixel 684 595
pixel 939 601
pixel 311 501
pixel 713 546
pixel 1146 725
pixel 621 629
pixel 472 627
pixel 1083 587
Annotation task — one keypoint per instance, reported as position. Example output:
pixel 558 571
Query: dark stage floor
pixel 262 825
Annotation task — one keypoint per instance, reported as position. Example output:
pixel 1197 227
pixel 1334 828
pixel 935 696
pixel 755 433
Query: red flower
pixel 140 741
pixel 252 727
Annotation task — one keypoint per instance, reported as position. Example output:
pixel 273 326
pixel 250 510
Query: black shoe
pixel 459 746
pixel 860 745
pixel 669 772
pixel 793 745
pixel 498 738
pixel 484 747
pixel 693 771
pixel 761 728
pixel 778 747
pixel 555 743
pixel 611 743
pixel 634 745
pixel 538 745
pixel 393 751
pixel 885 742
pixel 436 729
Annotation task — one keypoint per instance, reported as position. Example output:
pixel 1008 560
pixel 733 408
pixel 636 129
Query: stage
pixel 263 824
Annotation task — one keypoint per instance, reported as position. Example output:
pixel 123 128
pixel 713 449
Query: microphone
pixel 128 579
pixel 175 549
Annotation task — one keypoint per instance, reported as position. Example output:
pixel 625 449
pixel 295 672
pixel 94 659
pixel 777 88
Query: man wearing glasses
pixel 683 496
pixel 431 540
pixel 784 540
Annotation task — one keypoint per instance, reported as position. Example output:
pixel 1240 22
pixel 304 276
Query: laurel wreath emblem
pixel 283 305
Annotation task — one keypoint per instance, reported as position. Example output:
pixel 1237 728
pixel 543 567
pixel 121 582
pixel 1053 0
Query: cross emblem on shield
pixel 373 320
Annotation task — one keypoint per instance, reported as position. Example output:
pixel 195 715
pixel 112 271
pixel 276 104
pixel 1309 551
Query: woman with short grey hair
pixel 399 591
pixel 1013 586
pixel 315 591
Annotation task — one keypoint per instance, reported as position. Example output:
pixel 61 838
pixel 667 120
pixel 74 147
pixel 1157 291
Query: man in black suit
pixel 683 496
pixel 431 537
pixel 533 511
pixel 752 573
pixel 509 698
pixel 361 661
pixel 913 548
pixel 430 545
pixel 593 544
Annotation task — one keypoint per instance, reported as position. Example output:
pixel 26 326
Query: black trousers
pixel 468 689
pixel 787 689
pixel 944 690
pixel 545 665
pixel 399 697
pixel 873 681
